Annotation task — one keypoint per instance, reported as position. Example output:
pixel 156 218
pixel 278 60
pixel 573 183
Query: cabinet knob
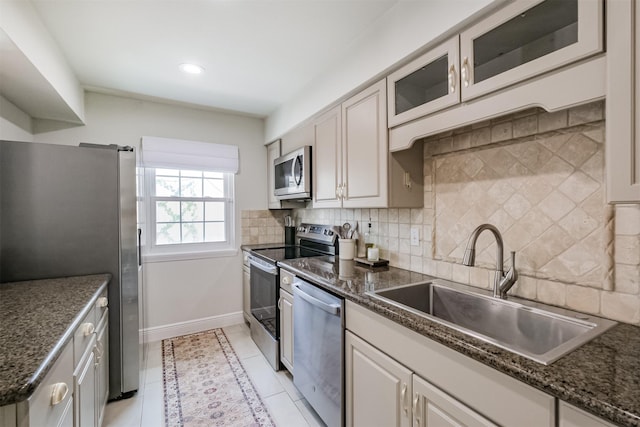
pixel 286 280
pixel 58 393
pixel 103 302
pixel 88 329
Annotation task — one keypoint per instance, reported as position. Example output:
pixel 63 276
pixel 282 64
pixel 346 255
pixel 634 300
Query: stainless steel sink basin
pixel 538 332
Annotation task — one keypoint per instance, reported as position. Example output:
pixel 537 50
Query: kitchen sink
pixel 538 332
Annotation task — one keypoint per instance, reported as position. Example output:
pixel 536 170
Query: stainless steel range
pixel 311 240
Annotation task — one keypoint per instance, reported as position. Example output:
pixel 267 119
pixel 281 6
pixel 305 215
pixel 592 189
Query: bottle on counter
pixel 373 252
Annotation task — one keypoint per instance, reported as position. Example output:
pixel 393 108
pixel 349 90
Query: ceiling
pixel 257 54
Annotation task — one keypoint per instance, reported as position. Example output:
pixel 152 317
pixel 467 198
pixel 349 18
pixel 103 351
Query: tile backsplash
pixel 539 178
pixel 263 226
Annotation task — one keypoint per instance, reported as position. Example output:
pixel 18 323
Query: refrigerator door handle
pixel 139 246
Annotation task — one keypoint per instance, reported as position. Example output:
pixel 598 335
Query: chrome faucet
pixel 502 282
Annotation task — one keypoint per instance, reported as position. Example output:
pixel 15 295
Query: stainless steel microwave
pixel 292 175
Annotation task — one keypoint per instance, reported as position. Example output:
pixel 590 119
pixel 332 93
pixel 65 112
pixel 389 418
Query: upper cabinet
pixel 273 152
pixel 352 167
pixel 327 159
pixel 522 40
pixel 427 84
pixel 623 102
pixel 527 38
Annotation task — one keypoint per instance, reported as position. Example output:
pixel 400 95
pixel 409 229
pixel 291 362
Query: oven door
pixel 264 295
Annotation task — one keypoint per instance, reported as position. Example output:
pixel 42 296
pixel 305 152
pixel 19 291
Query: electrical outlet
pixel 415 236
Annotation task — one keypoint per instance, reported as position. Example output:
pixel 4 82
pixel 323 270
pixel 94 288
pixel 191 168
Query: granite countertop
pixel 37 319
pixel 601 377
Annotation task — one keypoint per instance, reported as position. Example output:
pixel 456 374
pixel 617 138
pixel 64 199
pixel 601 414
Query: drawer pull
pixel 103 302
pixel 58 393
pixel 88 329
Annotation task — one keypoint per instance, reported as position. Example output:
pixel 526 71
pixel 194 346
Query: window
pixel 188 209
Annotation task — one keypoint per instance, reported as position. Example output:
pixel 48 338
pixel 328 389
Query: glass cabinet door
pixel 427 84
pixel 527 38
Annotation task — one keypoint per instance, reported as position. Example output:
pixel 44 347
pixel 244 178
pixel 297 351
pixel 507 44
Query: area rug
pixel 206 385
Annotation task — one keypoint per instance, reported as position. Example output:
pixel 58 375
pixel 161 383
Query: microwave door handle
pixel 297 177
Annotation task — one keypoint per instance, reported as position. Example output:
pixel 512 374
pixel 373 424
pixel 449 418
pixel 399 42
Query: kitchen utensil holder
pixel 289 235
pixel 346 249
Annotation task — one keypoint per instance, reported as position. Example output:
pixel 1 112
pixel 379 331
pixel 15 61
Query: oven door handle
pixel 333 309
pixel 270 269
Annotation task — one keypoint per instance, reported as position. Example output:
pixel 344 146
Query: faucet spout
pixel 501 283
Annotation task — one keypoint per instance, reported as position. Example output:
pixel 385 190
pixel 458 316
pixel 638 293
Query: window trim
pixel 186 251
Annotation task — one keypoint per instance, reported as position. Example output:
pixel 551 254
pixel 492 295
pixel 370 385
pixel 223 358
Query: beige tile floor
pixel 286 405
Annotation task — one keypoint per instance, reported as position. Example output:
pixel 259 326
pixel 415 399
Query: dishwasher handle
pixel 333 309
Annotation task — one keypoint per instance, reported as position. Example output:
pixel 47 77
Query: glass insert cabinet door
pixel 427 84
pixel 527 38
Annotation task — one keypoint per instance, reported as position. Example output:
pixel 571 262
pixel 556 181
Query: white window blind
pixel 183 154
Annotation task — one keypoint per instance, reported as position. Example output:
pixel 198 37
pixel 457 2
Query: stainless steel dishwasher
pixel 318 348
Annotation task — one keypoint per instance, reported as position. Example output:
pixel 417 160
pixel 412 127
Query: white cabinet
pixel 74 393
pixel 570 416
pixel 458 389
pixel 528 53
pixel 327 159
pixel 273 152
pixel 91 368
pixel 85 389
pixel 246 287
pixel 285 304
pixel 427 84
pixel 382 392
pixel 432 407
pixel 102 367
pixel 365 149
pixel 377 388
pixel 525 39
pixel 286 329
pixel 352 167
pixel 53 401
pixel 623 102
pixel 350 156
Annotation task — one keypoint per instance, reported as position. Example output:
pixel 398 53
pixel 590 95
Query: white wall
pixel 23 26
pixel 406 28
pixel 15 124
pixel 181 296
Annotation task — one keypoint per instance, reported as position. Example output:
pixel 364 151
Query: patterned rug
pixel 206 385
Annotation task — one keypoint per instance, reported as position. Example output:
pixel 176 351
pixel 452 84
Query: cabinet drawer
pixel 48 405
pixel 83 334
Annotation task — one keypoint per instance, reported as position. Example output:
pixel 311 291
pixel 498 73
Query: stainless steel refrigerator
pixel 71 210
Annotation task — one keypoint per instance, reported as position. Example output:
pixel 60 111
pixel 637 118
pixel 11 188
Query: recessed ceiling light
pixel 191 68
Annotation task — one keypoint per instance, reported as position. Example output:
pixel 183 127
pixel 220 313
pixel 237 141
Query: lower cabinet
pixel 397 377
pixel 378 389
pixel 573 417
pixel 433 407
pixel 84 379
pixel 102 368
pixel 286 329
pixel 382 392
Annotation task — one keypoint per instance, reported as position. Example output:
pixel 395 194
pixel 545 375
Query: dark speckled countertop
pixel 37 319
pixel 601 377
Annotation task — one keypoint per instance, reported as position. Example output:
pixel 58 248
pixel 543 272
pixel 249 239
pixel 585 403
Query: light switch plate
pixel 415 236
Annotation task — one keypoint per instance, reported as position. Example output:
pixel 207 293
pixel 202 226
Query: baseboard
pixel 158 333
